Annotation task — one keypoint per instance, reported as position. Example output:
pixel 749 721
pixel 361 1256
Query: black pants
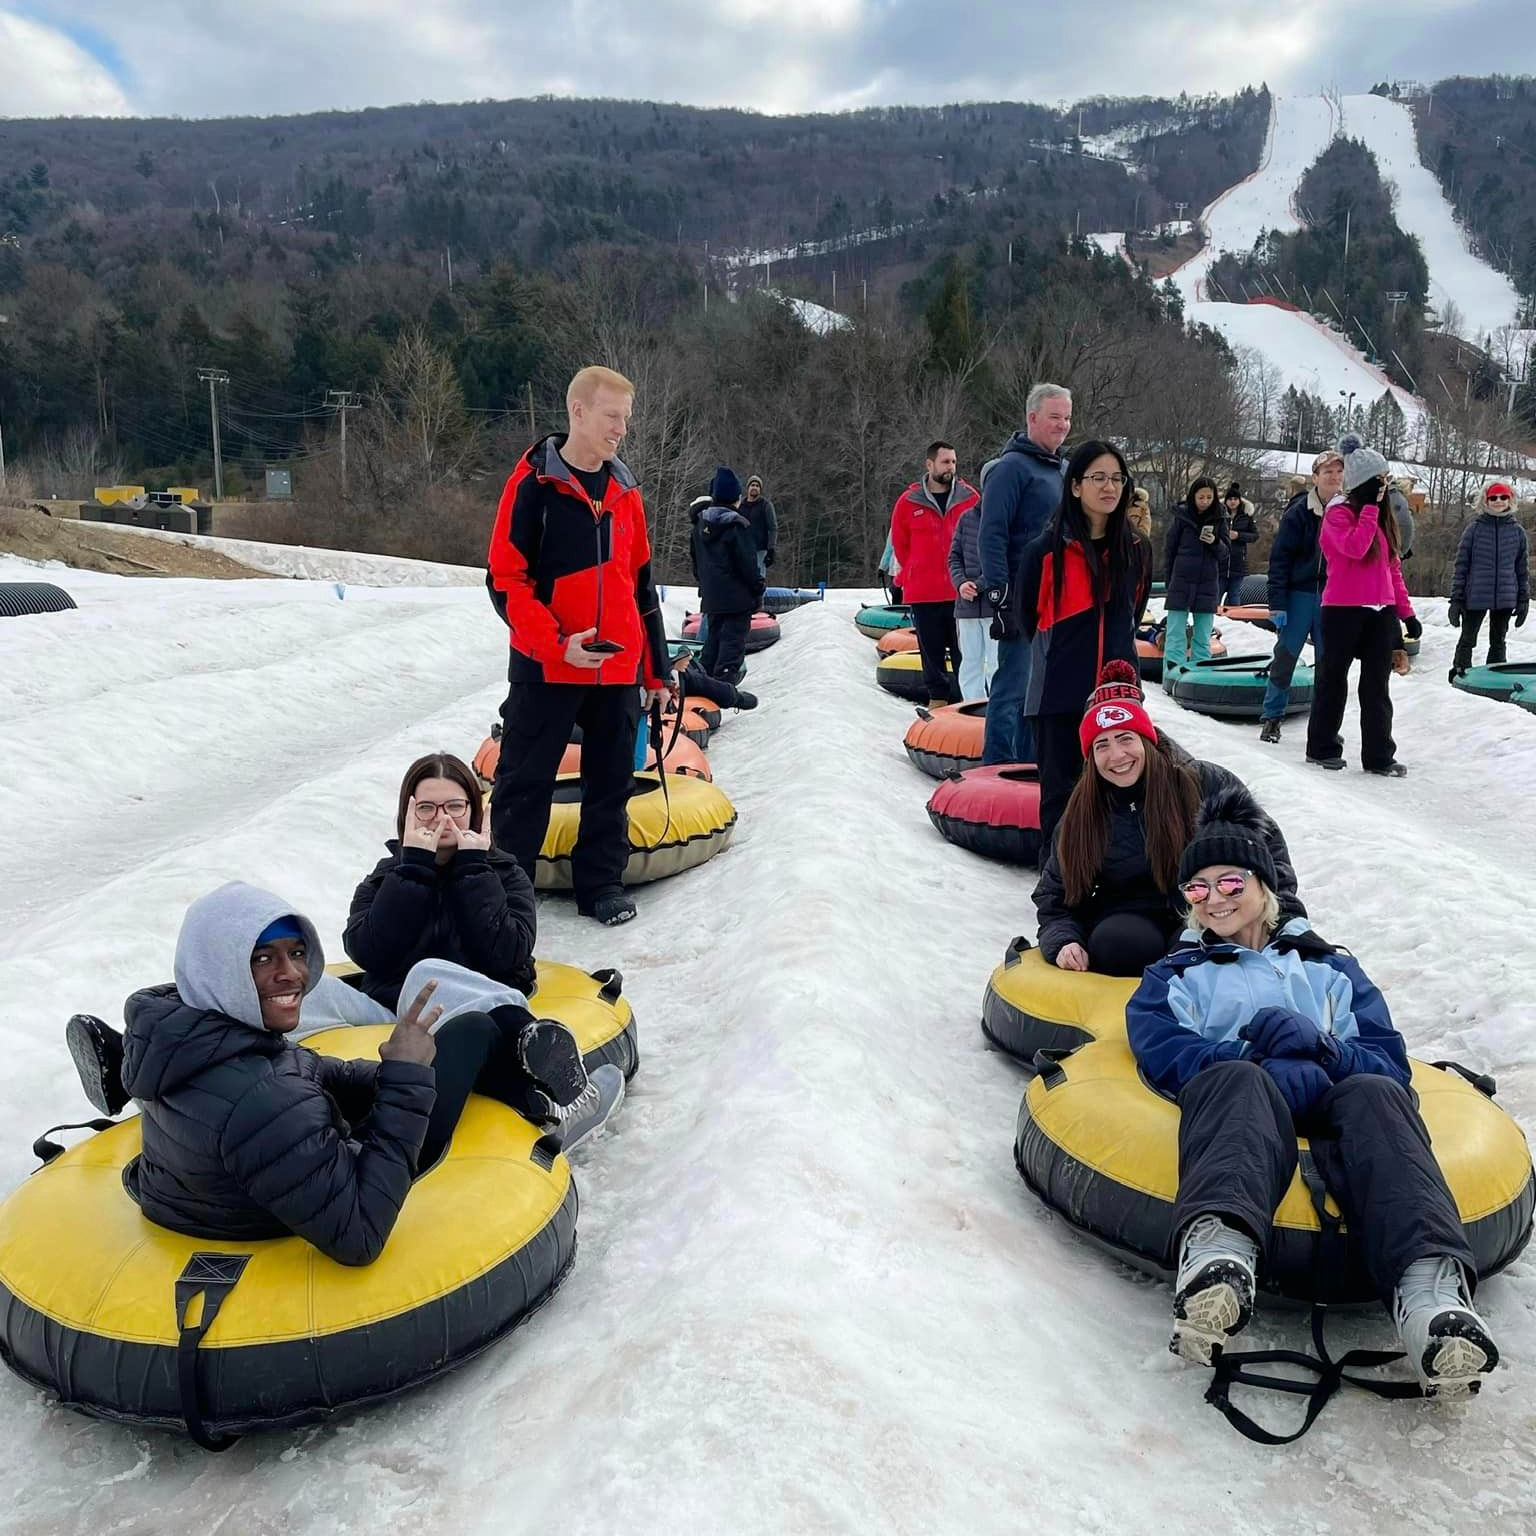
pixel 695 682
pixel 725 646
pixel 477 1053
pixel 536 728
pixel 1369 636
pixel 1125 944
pixel 1059 756
pixel 1237 1152
pixel 1498 631
pixel 938 641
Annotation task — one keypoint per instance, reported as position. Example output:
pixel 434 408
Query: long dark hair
pixel 1170 799
pixel 1070 526
pixel 441 765
pixel 1203 483
pixel 1378 494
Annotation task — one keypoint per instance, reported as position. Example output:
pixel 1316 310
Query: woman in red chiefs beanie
pixel 1107 899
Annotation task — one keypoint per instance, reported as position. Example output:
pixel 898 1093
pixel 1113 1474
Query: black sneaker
pixel 1269 731
pixel 745 700
pixel 97 1049
pixel 1332 764
pixel 550 1056
pixel 1454 673
pixel 610 908
pixel 1391 771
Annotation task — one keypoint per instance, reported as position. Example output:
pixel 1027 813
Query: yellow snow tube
pixel 668 833
pixel 126 1320
pixel 1032 1005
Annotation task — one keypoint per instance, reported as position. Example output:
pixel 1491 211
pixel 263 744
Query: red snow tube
pixel 895 641
pixel 763 632
pixel 947 740
pixel 993 811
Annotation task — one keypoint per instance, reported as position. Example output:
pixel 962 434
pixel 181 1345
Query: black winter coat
pixel 763 521
pixel 1493 568
pixel 1241 524
pixel 477 911
pixel 248 1136
pixel 1296 560
pixel 725 562
pixel 1125 883
pixel 1196 572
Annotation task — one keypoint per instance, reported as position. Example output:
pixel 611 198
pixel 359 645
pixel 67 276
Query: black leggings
pixel 477 1053
pixel 1125 944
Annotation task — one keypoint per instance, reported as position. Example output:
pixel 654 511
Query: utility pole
pixel 448 252
pixel 2 443
pixel 341 401
pixel 213 377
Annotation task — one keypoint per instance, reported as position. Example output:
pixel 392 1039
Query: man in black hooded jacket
pixel 730 586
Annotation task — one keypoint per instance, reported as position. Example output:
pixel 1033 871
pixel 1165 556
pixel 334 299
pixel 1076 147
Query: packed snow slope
pixel 812 1294
pixel 1485 296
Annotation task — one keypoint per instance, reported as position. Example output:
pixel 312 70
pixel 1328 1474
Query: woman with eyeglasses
pixel 1261 1030
pixel 1492 579
pixel 1196 558
pixel 1076 605
pixel 1107 899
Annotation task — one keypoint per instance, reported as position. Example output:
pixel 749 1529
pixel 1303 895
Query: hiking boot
pixel 1447 1343
pixel 1454 673
pixel 745 700
pixel 586 1118
pixel 1332 764
pixel 548 1053
pixel 1269 731
pixel 1213 1296
pixel 1391 771
pixel 610 908
pixel 97 1050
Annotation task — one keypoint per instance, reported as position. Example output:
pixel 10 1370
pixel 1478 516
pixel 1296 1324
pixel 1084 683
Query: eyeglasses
pixel 1498 498
pixel 1102 479
pixel 1196 891
pixel 426 810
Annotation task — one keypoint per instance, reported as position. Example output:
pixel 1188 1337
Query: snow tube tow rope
pixel 1232 687
pixel 992 810
pixel 217 1339
pixel 1101 1148
pixel 1513 682
pixel 875 619
pixel 763 632
pixel 668 832
pixel 894 641
pixel 1032 1005
pixel 20 598
pixel 947 740
pixel 902 675
pixel 778 600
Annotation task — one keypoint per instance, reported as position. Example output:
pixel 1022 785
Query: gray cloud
pixel 228 56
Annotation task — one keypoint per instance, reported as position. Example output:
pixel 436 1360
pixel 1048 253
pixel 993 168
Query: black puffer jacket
pixel 1196 571
pixel 1242 531
pixel 1493 569
pixel 477 911
pixel 725 558
pixel 1125 883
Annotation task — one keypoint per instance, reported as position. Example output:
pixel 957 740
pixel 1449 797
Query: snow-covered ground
pixel 1485 296
pixel 812 1294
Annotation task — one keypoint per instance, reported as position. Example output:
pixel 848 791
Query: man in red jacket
pixel 922 527
pixel 570 573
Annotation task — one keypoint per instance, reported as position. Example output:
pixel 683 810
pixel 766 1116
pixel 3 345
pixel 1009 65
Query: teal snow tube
pixel 1232 687
pixel 1512 682
pixel 881 618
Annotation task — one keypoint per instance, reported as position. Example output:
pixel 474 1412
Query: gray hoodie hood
pixel 213 950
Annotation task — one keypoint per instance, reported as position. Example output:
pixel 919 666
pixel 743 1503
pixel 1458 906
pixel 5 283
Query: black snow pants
pixel 1498 631
pixel 1059 755
pixel 694 682
pixel 477 1053
pixel 1237 1152
pixel 938 642
pixel 1368 635
pixel 725 646
pixel 1125 944
pixel 536 728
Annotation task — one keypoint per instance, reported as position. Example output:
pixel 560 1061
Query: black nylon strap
pixel 212 1276
pixel 661 771
pixel 45 1150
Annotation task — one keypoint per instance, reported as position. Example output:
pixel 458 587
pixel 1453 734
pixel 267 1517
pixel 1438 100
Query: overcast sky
pixel 217 57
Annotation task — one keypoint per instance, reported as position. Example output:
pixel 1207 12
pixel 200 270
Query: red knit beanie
pixel 1115 705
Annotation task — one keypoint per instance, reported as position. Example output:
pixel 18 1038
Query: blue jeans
pixel 978 657
pixel 1009 738
pixel 1303 620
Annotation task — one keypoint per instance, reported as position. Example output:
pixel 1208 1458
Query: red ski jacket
pixel 559 564
pixel 921 535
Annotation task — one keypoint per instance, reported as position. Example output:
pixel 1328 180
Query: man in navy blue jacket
pixel 1019 494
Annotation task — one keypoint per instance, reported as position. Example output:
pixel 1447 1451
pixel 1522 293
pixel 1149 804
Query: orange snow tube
pixel 947 740
pixel 681 756
pixel 894 641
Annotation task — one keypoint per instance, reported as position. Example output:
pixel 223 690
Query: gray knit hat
pixel 1360 463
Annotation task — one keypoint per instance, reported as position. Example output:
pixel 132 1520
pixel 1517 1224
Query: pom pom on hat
pixel 1115 705
pixel 1118 671
pixel 1231 828
pixel 1351 442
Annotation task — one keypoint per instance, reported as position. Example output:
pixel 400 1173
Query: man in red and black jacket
pixel 570 573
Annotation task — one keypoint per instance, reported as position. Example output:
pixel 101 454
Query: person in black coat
pixel 1107 898
pixel 1492 578
pixel 1196 559
pixel 443 892
pixel 730 584
pixel 1242 530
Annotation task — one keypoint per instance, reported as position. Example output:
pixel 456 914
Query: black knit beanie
pixel 1230 828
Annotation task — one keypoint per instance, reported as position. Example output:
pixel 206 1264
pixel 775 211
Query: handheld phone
pixel 601 647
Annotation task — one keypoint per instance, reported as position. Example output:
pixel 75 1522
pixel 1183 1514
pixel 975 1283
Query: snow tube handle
pixel 612 983
pixel 1482 1081
pixel 1048 1066
pixel 45 1150
pixel 924 713
pixel 1017 947
pixel 212 1276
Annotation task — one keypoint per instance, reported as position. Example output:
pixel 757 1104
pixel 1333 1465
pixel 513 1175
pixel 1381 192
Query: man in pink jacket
pixel 922 526
pixel 1365 610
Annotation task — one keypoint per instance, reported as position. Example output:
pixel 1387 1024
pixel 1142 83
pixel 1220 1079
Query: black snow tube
pixel 1254 592
pixel 18 598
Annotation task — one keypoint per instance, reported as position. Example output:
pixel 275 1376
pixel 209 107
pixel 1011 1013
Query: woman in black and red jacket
pixel 1076 596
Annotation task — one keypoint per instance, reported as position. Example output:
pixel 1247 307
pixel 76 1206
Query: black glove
pixel 1004 626
pixel 1412 627
pixel 768 559
pixel 1456 614
pixel 1521 614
